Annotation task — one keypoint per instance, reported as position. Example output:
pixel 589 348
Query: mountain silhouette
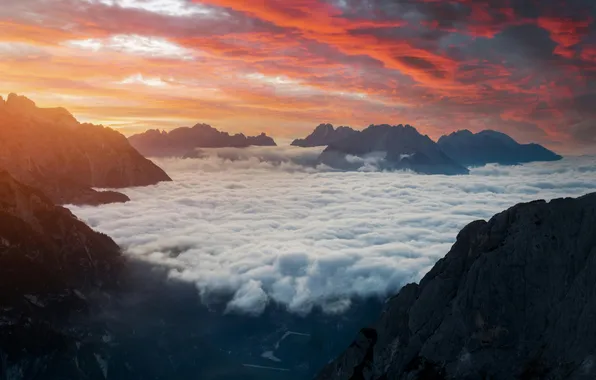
pixel 513 299
pixel 49 149
pixel 477 149
pixel 184 140
pixel 390 147
pixel 324 134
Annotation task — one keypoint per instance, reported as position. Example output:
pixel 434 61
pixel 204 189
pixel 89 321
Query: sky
pixel 524 67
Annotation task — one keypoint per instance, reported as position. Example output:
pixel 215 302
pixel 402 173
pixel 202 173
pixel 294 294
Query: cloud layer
pixel 523 67
pixel 267 230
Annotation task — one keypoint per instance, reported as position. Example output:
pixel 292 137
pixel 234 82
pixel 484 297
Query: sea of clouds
pixel 265 225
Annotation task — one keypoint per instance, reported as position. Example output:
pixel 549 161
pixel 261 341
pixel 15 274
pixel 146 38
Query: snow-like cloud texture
pixel 261 227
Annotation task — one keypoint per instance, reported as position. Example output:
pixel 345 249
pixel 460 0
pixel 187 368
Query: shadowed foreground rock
pixel 515 298
pixel 50 262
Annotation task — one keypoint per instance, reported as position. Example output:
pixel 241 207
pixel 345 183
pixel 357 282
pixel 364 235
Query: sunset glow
pixel 282 67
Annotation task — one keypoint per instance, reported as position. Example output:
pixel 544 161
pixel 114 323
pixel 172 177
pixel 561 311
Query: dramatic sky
pixel 525 67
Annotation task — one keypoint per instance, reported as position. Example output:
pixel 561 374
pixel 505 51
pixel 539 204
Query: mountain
pixel 182 141
pixel 44 248
pixel 488 146
pixel 49 262
pixel 515 298
pixel 49 149
pixel 390 147
pixel 323 135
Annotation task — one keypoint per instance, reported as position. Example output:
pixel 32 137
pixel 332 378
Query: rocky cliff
pixel 183 141
pixel 49 149
pixel 515 298
pixel 390 147
pixel 50 262
pixel 477 149
pixel 324 134
pixel 44 248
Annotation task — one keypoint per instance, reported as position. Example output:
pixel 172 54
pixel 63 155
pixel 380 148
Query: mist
pixel 268 226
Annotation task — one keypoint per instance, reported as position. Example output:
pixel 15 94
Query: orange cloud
pixel 287 65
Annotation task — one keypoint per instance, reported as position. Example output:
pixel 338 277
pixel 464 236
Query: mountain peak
pixel 20 102
pixel 402 147
pixel 324 134
pixel 65 159
pixel 489 146
pixel 326 127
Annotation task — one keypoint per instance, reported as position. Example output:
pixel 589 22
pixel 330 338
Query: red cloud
pixel 566 32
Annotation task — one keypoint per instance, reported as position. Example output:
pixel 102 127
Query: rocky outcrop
pixel 50 263
pixel 393 148
pixel 50 150
pixel 44 248
pixel 515 298
pixel 488 146
pixel 323 135
pixel 182 141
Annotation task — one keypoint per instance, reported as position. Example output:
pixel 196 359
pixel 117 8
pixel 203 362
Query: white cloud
pixel 256 224
pixel 20 51
pixel 163 7
pixel 147 81
pixel 152 47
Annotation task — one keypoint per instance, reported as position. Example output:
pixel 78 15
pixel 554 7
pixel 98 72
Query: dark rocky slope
pixel 50 263
pixel 488 146
pixel 45 248
pixel 515 298
pixel 400 147
pixel 182 141
pixel 323 135
pixel 71 307
pixel 50 150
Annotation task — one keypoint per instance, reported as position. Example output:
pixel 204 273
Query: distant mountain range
pixel 513 299
pixel 399 147
pixel 50 150
pixel 182 141
pixel 402 147
pixel 489 146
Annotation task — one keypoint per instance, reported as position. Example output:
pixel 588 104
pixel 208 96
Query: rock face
pixel 50 150
pixel 391 147
pixel 515 298
pixel 323 135
pixel 49 261
pixel 182 141
pixel 44 248
pixel 488 146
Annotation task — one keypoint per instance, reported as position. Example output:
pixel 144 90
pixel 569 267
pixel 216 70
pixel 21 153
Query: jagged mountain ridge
pixel 464 147
pixel 477 149
pixel 184 140
pixel 49 149
pixel 324 134
pixel 513 299
pixel 401 147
